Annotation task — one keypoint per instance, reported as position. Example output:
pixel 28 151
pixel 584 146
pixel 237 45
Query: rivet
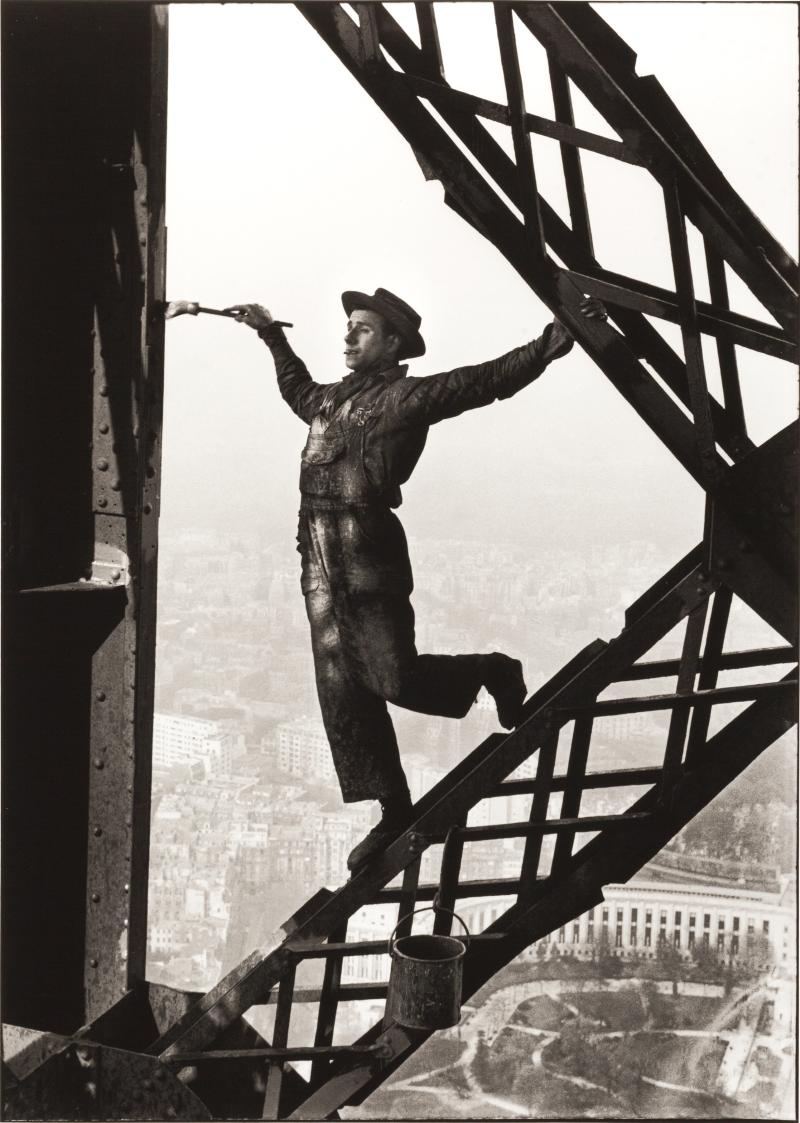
pixel 723 564
pixel 92 962
pixel 171 1113
pixel 116 574
pixel 102 465
pixel 102 501
pixel 126 888
pixel 143 277
pixel 129 790
pixel 161 1074
pixel 148 507
pixel 98 762
pixel 143 200
pixel 128 821
pixel 95 897
pixel 125 923
pixel 131 718
pixel 148 1085
pixel 97 832
pixel 100 695
pixel 103 391
pixel 150 471
pixel 123 955
pixel 103 426
pixel 115 484
pixel 135 430
pixel 142 239
pixel 130 754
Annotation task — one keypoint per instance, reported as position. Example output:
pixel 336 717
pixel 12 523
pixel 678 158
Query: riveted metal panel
pixel 84 171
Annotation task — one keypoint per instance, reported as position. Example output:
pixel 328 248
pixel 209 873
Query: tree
pixel 482 1062
pixel 706 962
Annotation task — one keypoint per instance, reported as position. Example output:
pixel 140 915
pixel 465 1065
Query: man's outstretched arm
pixel 424 401
pixel 298 389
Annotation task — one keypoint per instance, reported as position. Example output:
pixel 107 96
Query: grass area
pixel 547 1097
pixel 542 1012
pixel 509 1052
pixel 615 1010
pixel 683 1011
pixel 678 1060
pixel 437 1052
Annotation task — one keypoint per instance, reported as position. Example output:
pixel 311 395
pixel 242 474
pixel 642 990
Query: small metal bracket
pixel 110 566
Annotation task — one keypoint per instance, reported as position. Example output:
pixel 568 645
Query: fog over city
pixel 532 525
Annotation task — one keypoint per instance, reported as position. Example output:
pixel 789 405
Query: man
pixel 366 434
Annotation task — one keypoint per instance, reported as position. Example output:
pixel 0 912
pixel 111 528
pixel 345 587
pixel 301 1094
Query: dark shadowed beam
pixel 570 156
pixel 563 131
pixel 728 327
pixel 726 352
pixel 603 860
pixel 527 191
pixel 641 336
pixel 640 112
pixel 483 208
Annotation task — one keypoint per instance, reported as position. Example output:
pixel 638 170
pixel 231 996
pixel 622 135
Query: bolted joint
pixel 382 1051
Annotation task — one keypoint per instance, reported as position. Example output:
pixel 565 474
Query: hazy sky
pixel 286 185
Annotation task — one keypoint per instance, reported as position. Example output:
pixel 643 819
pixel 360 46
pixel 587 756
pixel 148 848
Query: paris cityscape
pixel 248 823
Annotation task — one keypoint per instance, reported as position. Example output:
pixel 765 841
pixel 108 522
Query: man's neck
pixel 375 369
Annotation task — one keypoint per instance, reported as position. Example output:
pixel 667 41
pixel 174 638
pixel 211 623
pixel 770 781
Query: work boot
pixel 395 818
pixel 503 679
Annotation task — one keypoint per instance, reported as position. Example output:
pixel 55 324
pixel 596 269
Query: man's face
pixel 368 343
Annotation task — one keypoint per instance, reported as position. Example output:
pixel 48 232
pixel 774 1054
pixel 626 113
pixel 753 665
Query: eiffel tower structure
pixel 92 1038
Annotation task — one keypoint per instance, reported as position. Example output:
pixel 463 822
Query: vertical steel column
pixel 429 39
pixel 570 156
pixel 526 176
pixel 328 1004
pixel 540 803
pixel 726 351
pixel 128 380
pixel 85 117
pixel 690 331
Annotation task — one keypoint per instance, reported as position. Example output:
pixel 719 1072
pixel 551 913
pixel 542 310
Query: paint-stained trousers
pixel 364 657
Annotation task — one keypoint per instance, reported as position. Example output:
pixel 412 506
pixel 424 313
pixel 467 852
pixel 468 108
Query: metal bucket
pixel 426 977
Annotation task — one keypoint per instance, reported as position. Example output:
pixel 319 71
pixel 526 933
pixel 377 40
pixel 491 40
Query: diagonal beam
pixel 526 175
pixel 491 217
pixel 713 319
pixel 570 156
pixel 690 331
pixel 601 861
pixel 642 337
pixel 562 130
pixel 636 109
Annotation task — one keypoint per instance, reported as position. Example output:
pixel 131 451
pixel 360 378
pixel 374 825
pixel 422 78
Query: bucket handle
pixel 435 907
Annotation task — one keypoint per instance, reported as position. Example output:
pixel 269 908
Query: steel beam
pixel 84 209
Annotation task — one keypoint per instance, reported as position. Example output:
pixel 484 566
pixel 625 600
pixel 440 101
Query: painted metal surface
pixel 82 404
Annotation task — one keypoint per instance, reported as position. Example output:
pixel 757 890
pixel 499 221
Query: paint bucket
pixel 426 977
